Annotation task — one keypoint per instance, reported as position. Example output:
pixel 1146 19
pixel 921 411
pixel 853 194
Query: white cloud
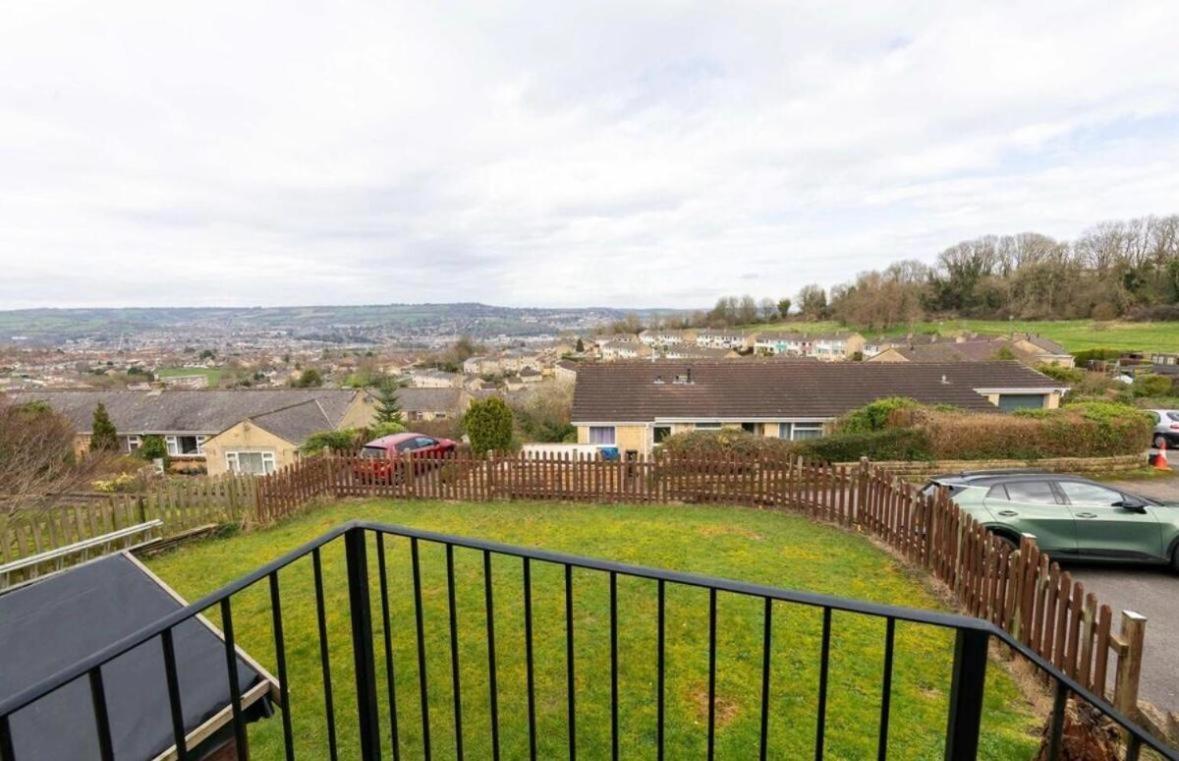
pixel 316 152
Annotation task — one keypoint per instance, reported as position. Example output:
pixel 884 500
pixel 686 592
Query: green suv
pixel 1070 517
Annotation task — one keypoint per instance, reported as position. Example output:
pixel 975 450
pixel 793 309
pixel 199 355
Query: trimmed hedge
pixel 727 441
pixel 898 429
pixel 890 444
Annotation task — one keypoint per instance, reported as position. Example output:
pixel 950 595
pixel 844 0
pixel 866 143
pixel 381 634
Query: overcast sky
pixel 629 154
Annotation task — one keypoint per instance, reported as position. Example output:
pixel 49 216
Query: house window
pixel 1009 402
pixel 807 431
pixel 799 431
pixel 133 443
pixel 181 446
pixel 749 427
pixel 660 433
pixel 601 434
pixel 256 463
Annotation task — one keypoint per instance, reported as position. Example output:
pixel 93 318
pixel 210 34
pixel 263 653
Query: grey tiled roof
pixel 632 391
pixel 182 411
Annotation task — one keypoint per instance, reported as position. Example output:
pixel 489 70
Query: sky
pixel 629 154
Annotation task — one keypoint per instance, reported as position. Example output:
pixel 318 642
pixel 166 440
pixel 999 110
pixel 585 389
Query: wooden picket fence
pixel 1016 588
pixel 182 506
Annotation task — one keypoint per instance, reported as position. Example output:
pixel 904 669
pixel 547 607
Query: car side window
pixel 998 491
pixel 1031 492
pixel 1080 493
pixel 422 442
pixel 407 445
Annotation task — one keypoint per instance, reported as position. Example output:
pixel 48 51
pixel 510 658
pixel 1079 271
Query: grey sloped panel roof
pixel 53 623
pixel 181 410
pixel 429 399
pixel 297 422
pixel 631 391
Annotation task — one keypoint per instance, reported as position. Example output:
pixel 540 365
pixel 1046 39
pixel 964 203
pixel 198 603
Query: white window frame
pixel 233 460
pixel 613 437
pixel 134 441
pixel 789 431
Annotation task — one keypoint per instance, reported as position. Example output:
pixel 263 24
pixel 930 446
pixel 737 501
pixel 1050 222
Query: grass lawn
pixel 212 373
pixel 758 546
pixel 1073 335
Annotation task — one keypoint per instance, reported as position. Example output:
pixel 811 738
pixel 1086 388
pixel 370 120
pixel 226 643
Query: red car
pixel 382 456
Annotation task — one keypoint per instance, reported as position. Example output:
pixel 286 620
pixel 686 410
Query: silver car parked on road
pixel 1166 428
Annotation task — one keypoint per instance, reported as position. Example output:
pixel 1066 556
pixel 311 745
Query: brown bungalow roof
pixel 644 391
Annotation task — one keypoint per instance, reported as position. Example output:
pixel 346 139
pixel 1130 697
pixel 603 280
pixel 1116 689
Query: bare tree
pixel 38 464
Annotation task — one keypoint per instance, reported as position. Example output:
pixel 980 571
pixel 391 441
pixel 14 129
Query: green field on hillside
pixel 212 373
pixel 1073 335
pixel 752 545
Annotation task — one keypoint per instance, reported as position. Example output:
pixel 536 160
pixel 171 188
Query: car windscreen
pixel 1174 416
pixel 374 453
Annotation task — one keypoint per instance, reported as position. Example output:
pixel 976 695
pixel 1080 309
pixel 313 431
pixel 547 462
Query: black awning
pixel 53 623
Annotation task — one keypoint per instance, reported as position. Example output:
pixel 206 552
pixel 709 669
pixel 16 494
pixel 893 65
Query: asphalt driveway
pixel 1152 592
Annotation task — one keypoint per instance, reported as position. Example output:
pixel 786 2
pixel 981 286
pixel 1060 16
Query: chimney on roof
pixel 945 380
pixel 689 374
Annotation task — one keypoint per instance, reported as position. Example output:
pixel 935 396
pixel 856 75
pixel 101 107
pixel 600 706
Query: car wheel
pixel 1007 540
pixel 1159 441
pixel 1175 559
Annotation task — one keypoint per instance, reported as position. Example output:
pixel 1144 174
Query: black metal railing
pixel 377 724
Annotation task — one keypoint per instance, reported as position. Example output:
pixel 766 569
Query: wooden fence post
pixel 1129 644
pixel 861 492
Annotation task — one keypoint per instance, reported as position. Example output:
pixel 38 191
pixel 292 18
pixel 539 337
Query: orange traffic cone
pixel 1160 460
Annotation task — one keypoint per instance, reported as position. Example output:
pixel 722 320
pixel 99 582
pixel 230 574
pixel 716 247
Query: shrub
pixel 1085 355
pixel 1152 385
pixel 344 440
pixel 103 436
pixel 488 423
pixel 153 448
pixel 877 415
pixel 120 484
pixel 1081 429
pixel 727 441
pixel 377 430
pixel 888 444
pixel 1062 374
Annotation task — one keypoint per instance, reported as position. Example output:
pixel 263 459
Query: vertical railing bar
pixel 967 685
pixel 570 681
pixel 661 625
pixel 101 717
pixel 711 672
pixel 767 633
pixel 1134 749
pixel 423 684
pixel 235 689
pixel 360 612
pixel 387 626
pixel 280 657
pixel 1056 729
pixel 614 739
pixel 174 706
pixel 886 689
pixel 492 688
pixel 824 666
pixel 6 751
pixel 324 659
pixel 454 654
pixel 528 658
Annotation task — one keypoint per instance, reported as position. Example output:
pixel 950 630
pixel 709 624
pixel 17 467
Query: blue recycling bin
pixel 609 453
